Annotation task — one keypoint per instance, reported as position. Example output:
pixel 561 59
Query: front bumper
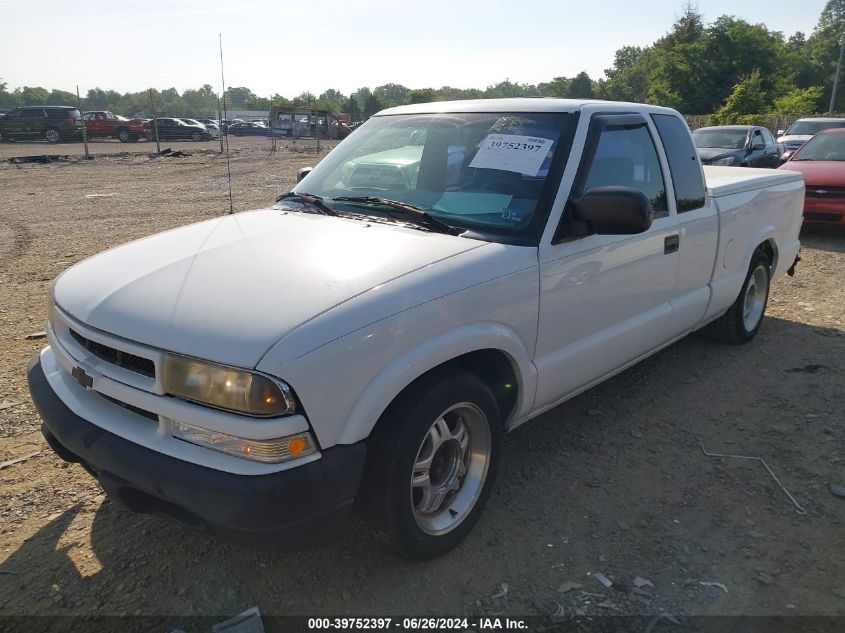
pixel 290 509
pixel 818 211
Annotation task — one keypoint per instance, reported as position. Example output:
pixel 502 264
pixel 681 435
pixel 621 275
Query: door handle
pixel 671 243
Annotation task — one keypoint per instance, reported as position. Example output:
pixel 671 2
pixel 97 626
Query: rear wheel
pixel 742 321
pixel 52 135
pixel 432 465
pixel 123 135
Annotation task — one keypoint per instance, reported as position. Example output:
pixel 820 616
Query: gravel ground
pixel 613 482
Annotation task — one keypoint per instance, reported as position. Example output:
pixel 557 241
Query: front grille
pixel 815 216
pixel 825 192
pixel 131 362
pixel 143 412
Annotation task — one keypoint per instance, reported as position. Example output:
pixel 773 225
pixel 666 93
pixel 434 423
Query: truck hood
pixel 229 288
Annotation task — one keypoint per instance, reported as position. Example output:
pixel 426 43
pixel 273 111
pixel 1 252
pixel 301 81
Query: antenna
pixel 225 131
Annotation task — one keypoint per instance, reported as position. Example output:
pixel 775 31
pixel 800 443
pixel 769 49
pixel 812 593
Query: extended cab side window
pixel 683 161
pixel 626 157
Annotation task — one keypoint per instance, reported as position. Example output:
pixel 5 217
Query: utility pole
pixel 84 131
pixel 155 122
pixel 836 79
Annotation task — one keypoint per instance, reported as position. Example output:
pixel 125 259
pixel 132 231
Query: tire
pixel 52 136
pixel 123 135
pixel 432 462
pixel 196 136
pixel 743 319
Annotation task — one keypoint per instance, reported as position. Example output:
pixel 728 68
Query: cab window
pixel 683 161
pixel 626 157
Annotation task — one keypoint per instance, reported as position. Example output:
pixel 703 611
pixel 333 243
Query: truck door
pixel 605 300
pixel 698 224
pixel 91 125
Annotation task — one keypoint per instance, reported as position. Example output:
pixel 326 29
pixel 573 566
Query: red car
pixel 822 162
pixel 100 123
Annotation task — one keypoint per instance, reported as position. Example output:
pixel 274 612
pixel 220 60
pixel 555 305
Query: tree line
pixel 730 68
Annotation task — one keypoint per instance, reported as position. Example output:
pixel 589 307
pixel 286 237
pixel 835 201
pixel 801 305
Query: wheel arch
pixel 766 241
pixel 499 359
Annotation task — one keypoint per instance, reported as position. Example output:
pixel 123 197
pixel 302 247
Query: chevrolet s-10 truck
pixel 448 272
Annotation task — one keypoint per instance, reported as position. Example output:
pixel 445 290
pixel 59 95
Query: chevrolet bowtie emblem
pixel 82 378
pixel 821 192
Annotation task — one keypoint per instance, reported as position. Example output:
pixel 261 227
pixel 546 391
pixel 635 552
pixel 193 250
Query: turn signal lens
pixel 270 451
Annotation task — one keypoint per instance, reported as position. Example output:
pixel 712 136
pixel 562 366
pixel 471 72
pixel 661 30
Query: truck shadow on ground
pixel 613 480
pixel 825 238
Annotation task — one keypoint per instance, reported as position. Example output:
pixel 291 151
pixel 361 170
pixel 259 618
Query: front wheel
pixel 432 465
pixel 196 136
pixel 743 319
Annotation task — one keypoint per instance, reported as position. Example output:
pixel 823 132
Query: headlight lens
pixel 724 161
pixel 269 451
pixel 226 387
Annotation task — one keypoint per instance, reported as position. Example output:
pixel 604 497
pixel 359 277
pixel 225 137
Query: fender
pixel 726 288
pixel 765 234
pixel 416 361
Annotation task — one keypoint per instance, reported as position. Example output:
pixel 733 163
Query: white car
pixel 213 129
pixel 444 275
pixel 803 130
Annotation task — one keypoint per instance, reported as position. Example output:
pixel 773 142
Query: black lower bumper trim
pixel 291 509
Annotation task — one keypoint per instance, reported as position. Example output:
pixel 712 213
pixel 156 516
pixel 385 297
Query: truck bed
pixel 723 181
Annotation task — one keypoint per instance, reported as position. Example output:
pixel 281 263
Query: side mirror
pixel 614 210
pixel 302 173
pixel 758 147
pixel 780 132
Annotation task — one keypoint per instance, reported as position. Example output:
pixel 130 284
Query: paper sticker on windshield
pixel 511 152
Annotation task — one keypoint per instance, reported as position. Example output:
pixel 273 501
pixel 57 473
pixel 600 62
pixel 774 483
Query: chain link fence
pixel 97 121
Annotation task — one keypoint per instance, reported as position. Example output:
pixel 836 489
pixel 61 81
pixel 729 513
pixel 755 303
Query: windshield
pixel 823 147
pixel 722 139
pixel 809 128
pixel 481 171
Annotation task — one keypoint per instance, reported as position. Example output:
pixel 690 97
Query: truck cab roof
pixel 521 104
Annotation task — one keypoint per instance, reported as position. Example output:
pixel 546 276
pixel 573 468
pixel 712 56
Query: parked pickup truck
pixel 445 274
pixel 104 124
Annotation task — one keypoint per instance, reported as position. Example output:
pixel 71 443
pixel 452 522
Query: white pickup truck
pixel 446 273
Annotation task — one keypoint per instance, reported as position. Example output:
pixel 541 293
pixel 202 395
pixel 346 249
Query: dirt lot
pixel 613 481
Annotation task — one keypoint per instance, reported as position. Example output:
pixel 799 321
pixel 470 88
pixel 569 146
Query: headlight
pixel 226 387
pixel 724 161
pixel 269 451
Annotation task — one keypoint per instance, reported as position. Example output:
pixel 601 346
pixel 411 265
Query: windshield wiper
pixel 409 211
pixel 309 200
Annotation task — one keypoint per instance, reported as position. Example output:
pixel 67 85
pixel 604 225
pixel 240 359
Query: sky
pixel 277 46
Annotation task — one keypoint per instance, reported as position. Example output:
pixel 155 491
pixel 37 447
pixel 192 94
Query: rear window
pixel 62 113
pixel 683 161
